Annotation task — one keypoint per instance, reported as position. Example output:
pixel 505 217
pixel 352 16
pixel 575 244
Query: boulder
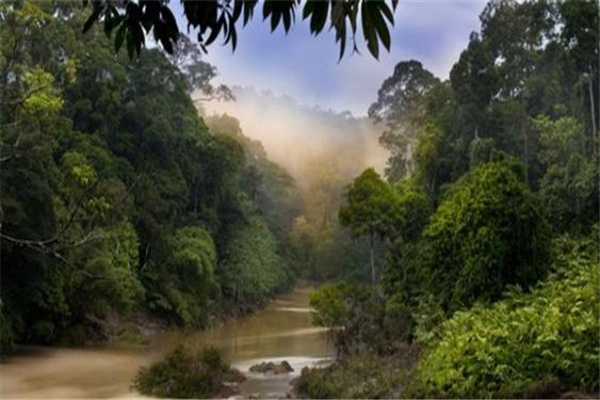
pixel 283 367
pixel 286 367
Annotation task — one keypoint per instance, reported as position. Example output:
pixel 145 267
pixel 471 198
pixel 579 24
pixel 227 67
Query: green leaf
pixel 287 21
pixel 249 10
pixel 369 31
pixel 275 18
pixel 308 8
pixel 233 38
pixel 385 9
pixel 214 33
pixel 170 22
pixel 267 9
pixel 120 37
pixel 130 44
pixel 319 16
pixel 98 9
pixel 381 27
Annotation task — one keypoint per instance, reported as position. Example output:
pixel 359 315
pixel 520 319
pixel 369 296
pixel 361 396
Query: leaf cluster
pixel 134 20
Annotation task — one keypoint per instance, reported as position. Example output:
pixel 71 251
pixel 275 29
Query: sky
pixel 307 67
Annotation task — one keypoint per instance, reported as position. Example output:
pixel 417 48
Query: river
pixel 281 331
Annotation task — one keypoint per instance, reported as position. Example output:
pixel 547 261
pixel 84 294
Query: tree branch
pixel 41 247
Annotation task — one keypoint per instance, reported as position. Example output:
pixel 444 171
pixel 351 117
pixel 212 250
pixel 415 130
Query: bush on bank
pixel 183 375
pixel 550 334
pixel 360 376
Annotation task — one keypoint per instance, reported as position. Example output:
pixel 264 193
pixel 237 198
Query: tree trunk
pixel 196 199
pixel 593 115
pixel 525 150
pixel 373 259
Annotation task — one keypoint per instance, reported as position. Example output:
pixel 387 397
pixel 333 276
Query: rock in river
pixel 283 367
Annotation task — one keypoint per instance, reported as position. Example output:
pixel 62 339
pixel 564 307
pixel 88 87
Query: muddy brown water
pixel 281 331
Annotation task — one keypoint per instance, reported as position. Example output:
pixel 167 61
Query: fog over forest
pixel 311 135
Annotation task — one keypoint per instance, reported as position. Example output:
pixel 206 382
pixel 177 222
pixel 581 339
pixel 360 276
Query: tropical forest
pixel 299 199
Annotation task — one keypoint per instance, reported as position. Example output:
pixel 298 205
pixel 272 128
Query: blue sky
pixel 307 68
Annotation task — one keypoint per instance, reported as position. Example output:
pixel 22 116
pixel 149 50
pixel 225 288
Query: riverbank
pixel 364 375
pixel 142 327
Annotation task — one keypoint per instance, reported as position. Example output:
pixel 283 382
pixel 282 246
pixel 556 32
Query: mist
pixel 300 137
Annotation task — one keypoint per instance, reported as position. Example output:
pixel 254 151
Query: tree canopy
pixel 372 210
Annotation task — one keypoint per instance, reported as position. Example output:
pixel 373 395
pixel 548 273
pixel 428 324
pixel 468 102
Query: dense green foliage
pixel 352 314
pixel 372 209
pixel 550 333
pixel 252 269
pixel 185 283
pixel 488 232
pixel 182 375
pixel 489 168
pixel 116 196
pixel 568 188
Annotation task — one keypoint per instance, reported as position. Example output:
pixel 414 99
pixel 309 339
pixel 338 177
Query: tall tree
pixel 372 210
pixel 580 36
pixel 401 107
pixel 198 74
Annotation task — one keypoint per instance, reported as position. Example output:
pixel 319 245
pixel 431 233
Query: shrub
pixel 354 315
pixel 398 322
pixel 181 375
pixel 362 376
pixel 550 334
